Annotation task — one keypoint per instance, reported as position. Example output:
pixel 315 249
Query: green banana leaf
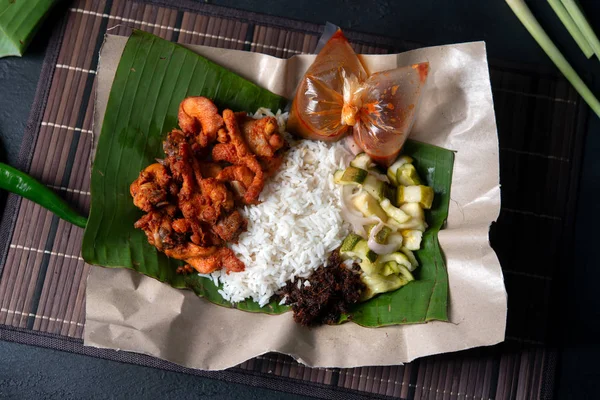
pixel 152 78
pixel 19 20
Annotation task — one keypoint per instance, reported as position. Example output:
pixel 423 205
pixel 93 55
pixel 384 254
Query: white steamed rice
pixel 296 225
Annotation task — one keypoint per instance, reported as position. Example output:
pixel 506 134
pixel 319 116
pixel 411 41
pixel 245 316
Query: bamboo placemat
pixel 541 123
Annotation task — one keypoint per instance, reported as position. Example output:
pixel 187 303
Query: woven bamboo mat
pixel 541 127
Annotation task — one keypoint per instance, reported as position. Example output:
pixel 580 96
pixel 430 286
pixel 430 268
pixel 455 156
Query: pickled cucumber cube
pixel 411 257
pixel 412 239
pixel 397 257
pixel 393 212
pixel 370 268
pixel 397 239
pixel 337 176
pixel 381 284
pixel 389 192
pixel 390 268
pixel 382 236
pixel 407 175
pixel 411 224
pixel 417 220
pixel 369 206
pixel 374 187
pixel 392 171
pixel 414 210
pixel 349 242
pixel 405 273
pixel 353 175
pixel 362 161
pixel 360 250
pixel 416 194
pixel 363 251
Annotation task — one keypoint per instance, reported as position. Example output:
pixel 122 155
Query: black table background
pixel 29 372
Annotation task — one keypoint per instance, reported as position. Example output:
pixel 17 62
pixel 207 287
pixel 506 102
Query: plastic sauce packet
pixel 336 95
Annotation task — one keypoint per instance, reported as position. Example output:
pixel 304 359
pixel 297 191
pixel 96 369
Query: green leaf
pixel 19 20
pixel 152 78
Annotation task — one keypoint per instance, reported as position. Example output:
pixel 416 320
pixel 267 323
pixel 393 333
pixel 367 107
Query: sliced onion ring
pixel 351 145
pixel 352 215
pixel 379 176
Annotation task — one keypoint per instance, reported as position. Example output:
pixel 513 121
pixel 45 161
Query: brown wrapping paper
pixel 128 311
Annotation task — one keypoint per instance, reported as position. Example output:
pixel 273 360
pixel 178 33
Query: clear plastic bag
pixel 318 103
pixel 336 96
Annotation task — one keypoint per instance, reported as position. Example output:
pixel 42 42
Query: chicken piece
pixel 200 117
pixel 158 227
pixel 203 235
pixel 236 152
pixel 239 177
pixel 190 250
pixel 228 228
pixel 271 165
pixel 199 233
pixel 172 142
pixel 162 233
pixel 150 189
pixel 223 257
pixel 239 173
pixel 261 135
pixel 180 163
pixel 203 199
pixel 181 225
pixel 220 197
pixel 151 223
pixel 195 208
pixel 227 152
pixel 207 206
pixel 222 136
pixel 176 137
pixel 210 170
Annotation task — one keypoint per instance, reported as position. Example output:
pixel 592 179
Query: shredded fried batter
pixel 190 200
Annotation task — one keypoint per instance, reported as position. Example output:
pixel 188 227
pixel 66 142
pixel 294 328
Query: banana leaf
pixel 19 20
pixel 152 78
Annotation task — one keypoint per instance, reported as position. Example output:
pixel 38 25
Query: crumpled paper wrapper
pixel 128 311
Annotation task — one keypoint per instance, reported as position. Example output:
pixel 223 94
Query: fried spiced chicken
pixel 200 117
pixel 234 149
pixel 230 226
pixel 212 163
pixel 158 226
pixel 240 177
pixel 264 140
pixel 261 135
pixel 150 189
pixel 223 257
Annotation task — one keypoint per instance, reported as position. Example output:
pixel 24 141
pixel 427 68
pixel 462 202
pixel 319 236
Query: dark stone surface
pixel 18 82
pixel 28 372
pixel 34 373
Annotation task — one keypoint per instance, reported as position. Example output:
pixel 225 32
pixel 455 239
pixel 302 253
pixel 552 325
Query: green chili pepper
pixel 17 182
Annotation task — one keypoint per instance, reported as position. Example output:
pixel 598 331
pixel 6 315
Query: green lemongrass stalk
pixel 564 16
pixel 531 24
pixel 583 25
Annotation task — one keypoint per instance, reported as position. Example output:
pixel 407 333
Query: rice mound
pixel 296 225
